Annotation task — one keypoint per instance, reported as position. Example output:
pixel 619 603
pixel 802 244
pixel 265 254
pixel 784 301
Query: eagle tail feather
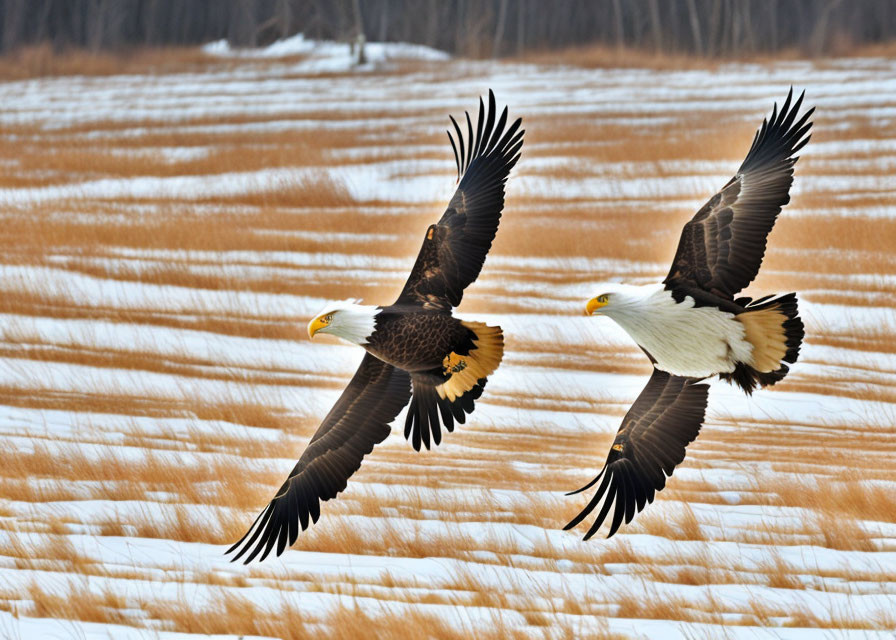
pixel 445 395
pixel 423 424
pixel 773 326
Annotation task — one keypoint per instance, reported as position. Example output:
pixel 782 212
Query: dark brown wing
pixel 359 420
pixel 722 247
pixel 454 249
pixel 664 419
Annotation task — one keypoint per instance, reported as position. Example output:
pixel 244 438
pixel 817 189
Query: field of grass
pixel 168 224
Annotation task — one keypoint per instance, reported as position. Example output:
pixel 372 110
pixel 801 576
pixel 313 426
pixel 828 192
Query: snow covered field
pixel 165 238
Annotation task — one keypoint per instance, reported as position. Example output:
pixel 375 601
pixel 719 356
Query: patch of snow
pixel 13 626
pixel 328 57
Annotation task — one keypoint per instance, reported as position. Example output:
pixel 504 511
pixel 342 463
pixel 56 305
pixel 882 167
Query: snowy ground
pixel 154 391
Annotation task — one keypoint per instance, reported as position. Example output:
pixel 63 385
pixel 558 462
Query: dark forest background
pixel 476 28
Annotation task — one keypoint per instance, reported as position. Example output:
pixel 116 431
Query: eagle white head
pixel 617 300
pixel 346 319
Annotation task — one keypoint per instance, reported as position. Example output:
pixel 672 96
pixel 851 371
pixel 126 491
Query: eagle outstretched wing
pixel 651 442
pixel 722 247
pixel 358 421
pixel 454 248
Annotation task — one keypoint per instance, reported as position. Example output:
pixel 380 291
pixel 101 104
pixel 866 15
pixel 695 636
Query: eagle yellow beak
pixel 316 325
pixel 593 305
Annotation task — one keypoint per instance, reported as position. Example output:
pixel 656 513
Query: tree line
pixel 475 28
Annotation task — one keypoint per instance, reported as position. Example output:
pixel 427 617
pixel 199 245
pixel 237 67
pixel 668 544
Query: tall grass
pixel 487 502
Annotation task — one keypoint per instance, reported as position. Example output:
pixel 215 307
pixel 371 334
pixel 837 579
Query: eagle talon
pixel 460 366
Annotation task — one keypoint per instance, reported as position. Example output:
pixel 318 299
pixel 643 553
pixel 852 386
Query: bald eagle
pixel 691 326
pixel 416 350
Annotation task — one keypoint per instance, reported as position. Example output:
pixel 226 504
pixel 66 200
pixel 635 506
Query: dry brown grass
pixel 241 411
pixel 639 150
pixel 780 575
pixel 851 497
pixel 73 164
pixel 596 56
pixel 235 613
pixel 680 525
pixel 645 602
pixel 867 243
pixel 40 477
pixel 225 477
pixel 39 231
pixel 599 56
pixel 42 60
pixel 79 602
pixel 52 552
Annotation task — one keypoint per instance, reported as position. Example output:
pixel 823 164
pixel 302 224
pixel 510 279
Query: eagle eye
pixel 328 318
pixel 603 298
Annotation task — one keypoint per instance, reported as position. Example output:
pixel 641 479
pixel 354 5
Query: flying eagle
pixel 692 327
pixel 416 350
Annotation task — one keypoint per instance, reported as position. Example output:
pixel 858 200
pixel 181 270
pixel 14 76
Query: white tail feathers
pixel 467 370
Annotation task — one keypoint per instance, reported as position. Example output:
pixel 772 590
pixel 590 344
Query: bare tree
pixel 283 18
pixel 499 28
pixel 384 22
pixel 13 15
pixel 242 27
pixel 617 20
pixel 95 18
pixel 820 32
pixel 655 25
pixel 694 19
pixel 464 27
pixel 360 39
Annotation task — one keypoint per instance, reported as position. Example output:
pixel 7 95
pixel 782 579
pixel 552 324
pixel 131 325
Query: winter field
pixel 166 236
